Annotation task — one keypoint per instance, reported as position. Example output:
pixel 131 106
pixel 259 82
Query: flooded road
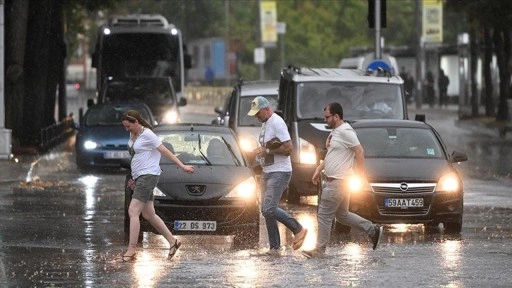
pixel 65 229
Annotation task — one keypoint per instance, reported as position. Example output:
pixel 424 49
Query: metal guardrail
pixel 55 134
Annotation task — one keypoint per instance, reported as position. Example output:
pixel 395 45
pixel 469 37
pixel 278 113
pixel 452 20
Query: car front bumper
pixel 231 216
pixel 438 207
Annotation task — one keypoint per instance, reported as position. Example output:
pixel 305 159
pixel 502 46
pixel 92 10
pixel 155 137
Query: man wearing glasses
pixel 343 148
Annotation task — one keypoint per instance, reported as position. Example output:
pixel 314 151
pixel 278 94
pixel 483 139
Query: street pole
pixel 227 39
pixel 281 31
pixel 419 56
pixel 378 53
pixel 5 134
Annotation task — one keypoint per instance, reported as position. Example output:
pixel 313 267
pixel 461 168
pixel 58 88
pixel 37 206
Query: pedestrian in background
pixel 343 148
pixel 274 157
pixel 442 84
pixel 429 89
pixel 146 149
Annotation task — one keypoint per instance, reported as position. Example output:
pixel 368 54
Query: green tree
pixel 490 18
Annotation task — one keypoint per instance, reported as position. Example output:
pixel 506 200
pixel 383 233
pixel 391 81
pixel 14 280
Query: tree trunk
pixel 43 65
pixel 499 47
pixel 488 98
pixel 473 50
pixel 16 17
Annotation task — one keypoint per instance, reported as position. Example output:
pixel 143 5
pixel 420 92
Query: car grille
pixel 403 187
pixel 404 190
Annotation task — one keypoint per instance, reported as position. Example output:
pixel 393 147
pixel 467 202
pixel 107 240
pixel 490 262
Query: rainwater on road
pixel 65 229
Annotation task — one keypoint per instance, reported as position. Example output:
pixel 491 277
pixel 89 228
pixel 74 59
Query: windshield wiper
pixel 201 152
pixel 237 161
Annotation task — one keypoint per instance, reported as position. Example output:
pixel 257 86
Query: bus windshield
pixel 142 54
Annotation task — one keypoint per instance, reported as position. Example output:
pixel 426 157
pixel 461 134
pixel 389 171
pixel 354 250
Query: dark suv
pixel 304 92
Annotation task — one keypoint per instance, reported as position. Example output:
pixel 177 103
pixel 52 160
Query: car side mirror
pixel 125 163
pixel 187 61
pixel 420 117
pixel 458 157
pixel 182 101
pixel 218 110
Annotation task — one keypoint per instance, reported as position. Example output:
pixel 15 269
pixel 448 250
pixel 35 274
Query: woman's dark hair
pixel 335 108
pixel 133 116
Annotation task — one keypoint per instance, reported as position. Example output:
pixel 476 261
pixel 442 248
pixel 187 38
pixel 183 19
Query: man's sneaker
pixel 377 234
pixel 298 239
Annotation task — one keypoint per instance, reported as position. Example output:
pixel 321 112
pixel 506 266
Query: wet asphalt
pixel 63 228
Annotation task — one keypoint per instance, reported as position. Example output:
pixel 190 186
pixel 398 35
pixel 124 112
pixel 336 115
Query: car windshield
pixel 202 148
pixel 360 100
pixel 245 106
pixel 144 89
pixel 107 115
pixel 385 142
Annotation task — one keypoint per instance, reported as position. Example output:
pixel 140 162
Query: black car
pixel 157 92
pixel 410 177
pixel 102 140
pixel 220 198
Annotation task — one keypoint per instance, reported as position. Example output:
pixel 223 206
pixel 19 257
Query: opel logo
pixel 404 186
pixel 196 190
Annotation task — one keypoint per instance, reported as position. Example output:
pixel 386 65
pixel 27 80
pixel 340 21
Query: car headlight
pixel 248 143
pixel 158 193
pixel 449 183
pixel 246 189
pixel 307 152
pixel 170 117
pixel 357 184
pixel 89 145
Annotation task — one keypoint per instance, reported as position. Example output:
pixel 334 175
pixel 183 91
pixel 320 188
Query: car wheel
pixel 293 195
pixel 431 228
pixel 453 227
pixel 248 238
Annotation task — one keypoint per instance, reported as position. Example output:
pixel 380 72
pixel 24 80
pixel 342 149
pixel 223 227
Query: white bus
pixel 140 46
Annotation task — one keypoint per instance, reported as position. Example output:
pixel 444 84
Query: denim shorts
pixel 144 186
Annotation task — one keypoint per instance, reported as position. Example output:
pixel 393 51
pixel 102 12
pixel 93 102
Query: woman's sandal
pixel 129 258
pixel 174 248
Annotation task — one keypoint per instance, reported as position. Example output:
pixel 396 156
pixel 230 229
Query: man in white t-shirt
pixel 343 148
pixel 274 157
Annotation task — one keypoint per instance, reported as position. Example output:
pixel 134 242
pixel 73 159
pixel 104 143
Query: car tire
pixel 453 227
pixel 292 195
pixel 431 228
pixel 248 238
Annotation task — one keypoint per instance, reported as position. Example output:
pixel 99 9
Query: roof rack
pixel 140 20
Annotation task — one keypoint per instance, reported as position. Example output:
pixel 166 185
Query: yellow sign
pixel 268 22
pixel 432 21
